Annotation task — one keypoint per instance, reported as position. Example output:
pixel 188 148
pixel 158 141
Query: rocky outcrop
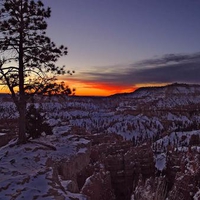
pixel 4 139
pixel 173 166
pixel 187 180
pixel 98 186
pixel 127 165
pixel 151 189
pixel 183 188
pixel 179 181
pixel 123 162
pixel 7 131
pixel 67 170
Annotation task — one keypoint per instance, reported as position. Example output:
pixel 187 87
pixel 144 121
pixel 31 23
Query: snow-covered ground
pixel 30 171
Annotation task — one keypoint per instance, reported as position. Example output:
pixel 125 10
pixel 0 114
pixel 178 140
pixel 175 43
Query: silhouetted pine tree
pixel 24 42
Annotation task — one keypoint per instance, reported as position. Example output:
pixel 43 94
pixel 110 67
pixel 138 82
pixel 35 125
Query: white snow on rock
pixel 26 172
pixel 160 161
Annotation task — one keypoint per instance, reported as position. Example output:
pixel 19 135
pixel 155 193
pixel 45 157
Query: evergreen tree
pixel 23 42
pixel 36 123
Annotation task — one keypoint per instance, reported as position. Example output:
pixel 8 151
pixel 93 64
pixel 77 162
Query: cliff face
pixel 185 183
pixel 115 168
pixel 179 180
pixel 126 165
pixel 120 171
pixel 98 186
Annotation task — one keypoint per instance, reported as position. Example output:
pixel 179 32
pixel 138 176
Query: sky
pixel 119 45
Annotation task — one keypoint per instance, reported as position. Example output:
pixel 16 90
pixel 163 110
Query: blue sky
pixel 119 42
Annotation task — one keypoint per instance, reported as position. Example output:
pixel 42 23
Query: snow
pixel 179 139
pixel 132 197
pixel 160 161
pixel 25 173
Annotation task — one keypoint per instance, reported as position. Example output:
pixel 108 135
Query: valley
pixel 134 146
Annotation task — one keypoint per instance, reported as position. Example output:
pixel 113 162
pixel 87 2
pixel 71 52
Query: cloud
pixel 170 58
pixel 166 69
pixel 180 72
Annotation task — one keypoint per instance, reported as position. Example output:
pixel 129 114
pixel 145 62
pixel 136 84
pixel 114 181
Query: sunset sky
pixel 118 45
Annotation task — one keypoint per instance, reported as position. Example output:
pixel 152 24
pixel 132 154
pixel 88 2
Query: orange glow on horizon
pixel 86 88
pixel 4 90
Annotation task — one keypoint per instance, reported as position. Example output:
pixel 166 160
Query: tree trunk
pixel 22 122
pixel 22 100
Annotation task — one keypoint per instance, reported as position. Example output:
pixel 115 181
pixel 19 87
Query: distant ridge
pixel 168 85
pixel 154 88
